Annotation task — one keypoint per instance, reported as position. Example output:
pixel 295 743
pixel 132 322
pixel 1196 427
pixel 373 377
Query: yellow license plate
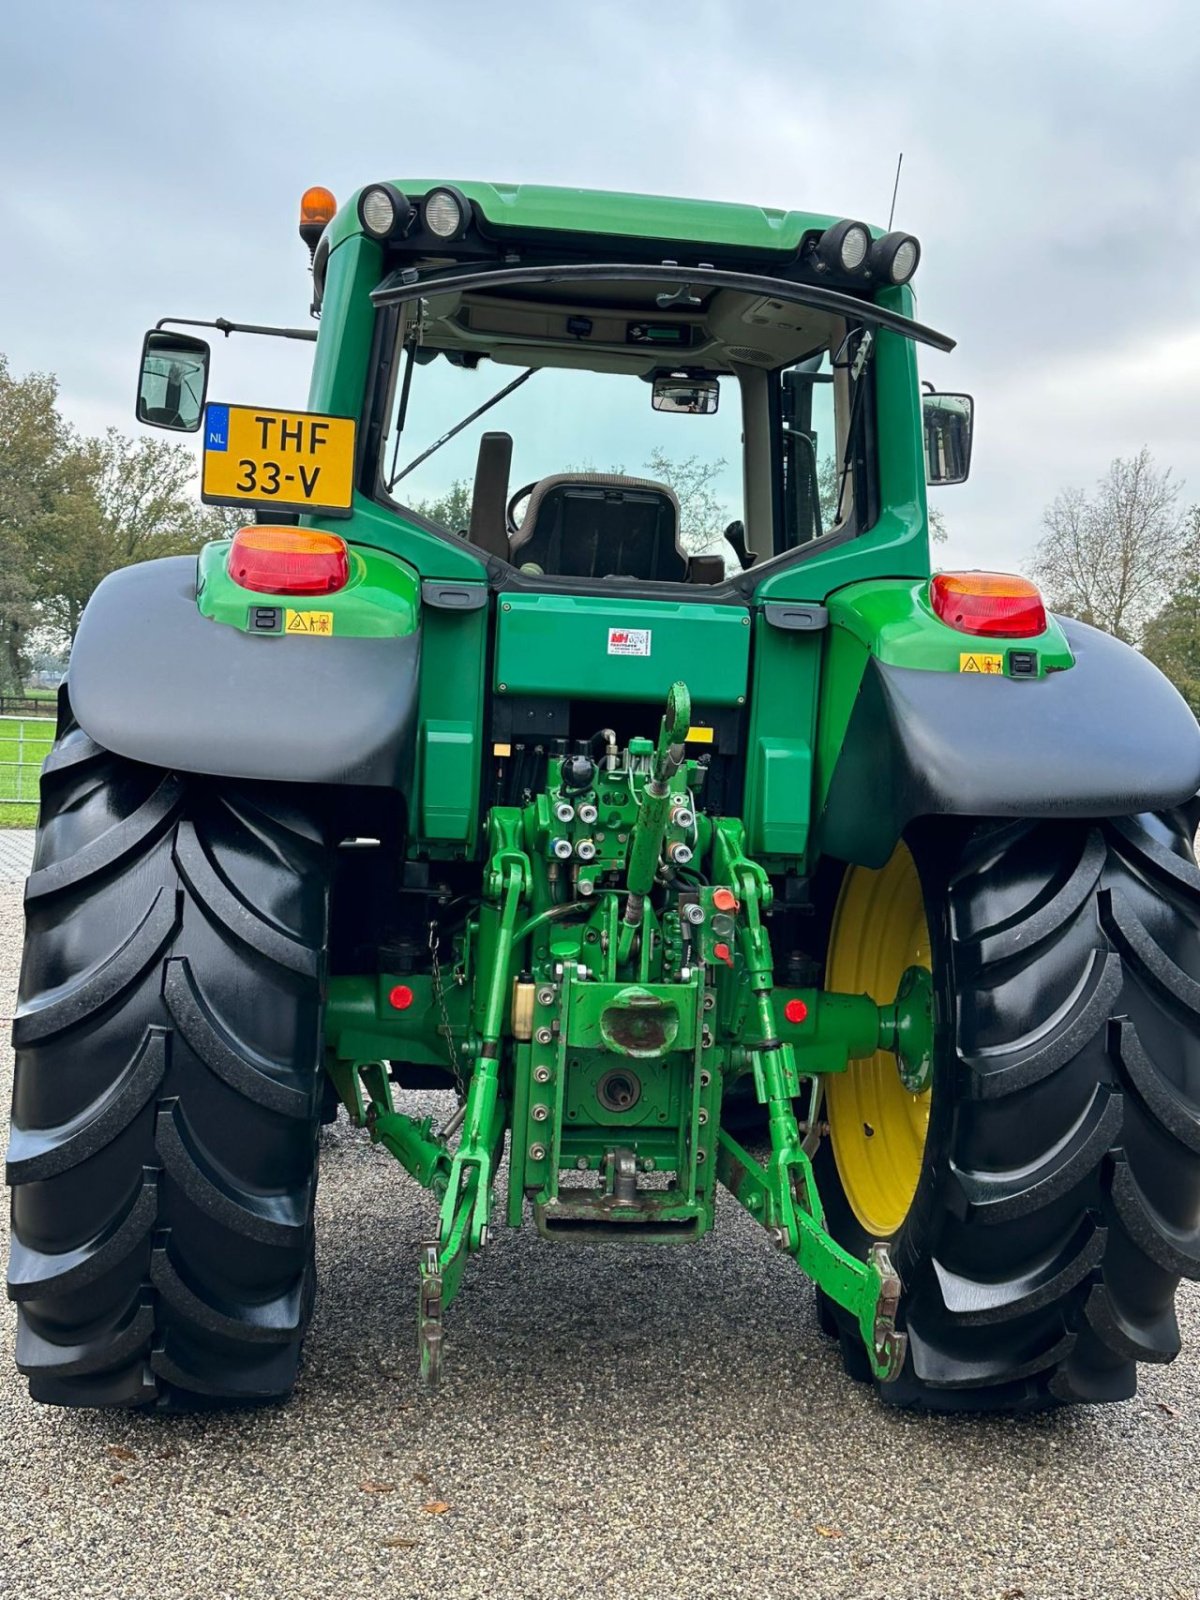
pixel 294 460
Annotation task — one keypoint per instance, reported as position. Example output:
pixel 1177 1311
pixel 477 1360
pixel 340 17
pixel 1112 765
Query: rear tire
pixel 168 1084
pixel 1058 1202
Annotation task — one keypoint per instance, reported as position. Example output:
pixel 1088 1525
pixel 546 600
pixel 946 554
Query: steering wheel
pixel 522 494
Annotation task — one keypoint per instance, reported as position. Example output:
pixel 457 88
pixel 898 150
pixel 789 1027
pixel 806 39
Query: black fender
pixel 1108 737
pixel 153 679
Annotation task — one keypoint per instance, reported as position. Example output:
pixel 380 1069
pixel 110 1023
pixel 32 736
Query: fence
pixel 23 705
pixel 24 745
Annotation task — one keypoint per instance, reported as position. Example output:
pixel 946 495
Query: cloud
pixel 154 156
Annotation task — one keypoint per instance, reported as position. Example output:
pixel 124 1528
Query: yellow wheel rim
pixel 877 1127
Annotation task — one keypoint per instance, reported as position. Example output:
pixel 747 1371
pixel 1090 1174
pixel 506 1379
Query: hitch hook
pixel 889 1345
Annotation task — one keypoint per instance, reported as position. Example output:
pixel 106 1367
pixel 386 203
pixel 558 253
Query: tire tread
pixel 168 1084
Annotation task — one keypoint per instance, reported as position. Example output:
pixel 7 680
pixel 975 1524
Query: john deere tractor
pixel 573 725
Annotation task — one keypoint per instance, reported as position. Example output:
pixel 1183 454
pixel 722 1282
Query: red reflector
pixel 724 900
pixel 995 603
pixel 401 997
pixel 288 561
pixel 795 1011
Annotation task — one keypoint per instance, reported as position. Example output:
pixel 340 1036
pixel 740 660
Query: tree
pixel 828 488
pixel 703 515
pixel 143 505
pixel 1110 558
pixel 17 616
pixel 1171 638
pixel 45 496
pixel 222 522
pixel 451 510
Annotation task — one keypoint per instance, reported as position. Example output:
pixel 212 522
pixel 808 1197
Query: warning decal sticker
pixel 980 661
pixel 629 641
pixel 318 622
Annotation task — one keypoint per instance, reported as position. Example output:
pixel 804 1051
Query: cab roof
pixel 541 208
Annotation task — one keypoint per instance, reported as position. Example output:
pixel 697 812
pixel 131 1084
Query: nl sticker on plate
pixel 629 641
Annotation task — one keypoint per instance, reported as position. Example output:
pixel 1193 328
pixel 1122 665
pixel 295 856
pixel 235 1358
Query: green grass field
pixel 24 745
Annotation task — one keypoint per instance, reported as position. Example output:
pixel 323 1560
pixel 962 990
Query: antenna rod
pixel 895 190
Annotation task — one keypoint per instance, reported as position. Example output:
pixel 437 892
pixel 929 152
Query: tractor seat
pixel 598 525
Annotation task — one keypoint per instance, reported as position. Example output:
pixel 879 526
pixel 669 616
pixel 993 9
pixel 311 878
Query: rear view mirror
pixel 948 425
pixel 676 391
pixel 173 382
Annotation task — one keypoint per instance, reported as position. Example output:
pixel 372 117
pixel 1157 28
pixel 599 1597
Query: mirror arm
pixel 223 325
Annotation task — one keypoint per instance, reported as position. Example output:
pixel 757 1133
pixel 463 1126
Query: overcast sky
pixel 154 155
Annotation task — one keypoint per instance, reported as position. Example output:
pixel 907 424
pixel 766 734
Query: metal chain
pixel 439 994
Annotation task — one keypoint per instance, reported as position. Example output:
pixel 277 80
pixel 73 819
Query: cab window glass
pixel 824 447
pixel 566 420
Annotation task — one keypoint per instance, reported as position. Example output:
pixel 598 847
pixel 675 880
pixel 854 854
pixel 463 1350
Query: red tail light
pixel 995 603
pixel 289 561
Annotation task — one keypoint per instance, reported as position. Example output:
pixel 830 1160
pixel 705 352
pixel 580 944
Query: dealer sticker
pixel 980 661
pixel 629 641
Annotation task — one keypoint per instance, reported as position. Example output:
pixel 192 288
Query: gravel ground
pixel 629 1424
pixel 16 852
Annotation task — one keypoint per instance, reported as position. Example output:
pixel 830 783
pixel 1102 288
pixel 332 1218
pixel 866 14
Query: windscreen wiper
pixel 459 426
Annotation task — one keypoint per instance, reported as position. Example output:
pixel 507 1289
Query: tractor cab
pixel 613 403
pixel 620 411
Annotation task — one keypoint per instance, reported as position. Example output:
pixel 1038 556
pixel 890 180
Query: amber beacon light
pixel 317 208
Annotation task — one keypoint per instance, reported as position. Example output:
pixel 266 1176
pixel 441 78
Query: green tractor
pixel 575 726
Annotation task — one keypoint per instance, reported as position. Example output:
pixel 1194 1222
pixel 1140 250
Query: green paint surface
pixel 594 648
pixel 381 600
pixel 450 720
pixel 781 742
pixel 896 623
